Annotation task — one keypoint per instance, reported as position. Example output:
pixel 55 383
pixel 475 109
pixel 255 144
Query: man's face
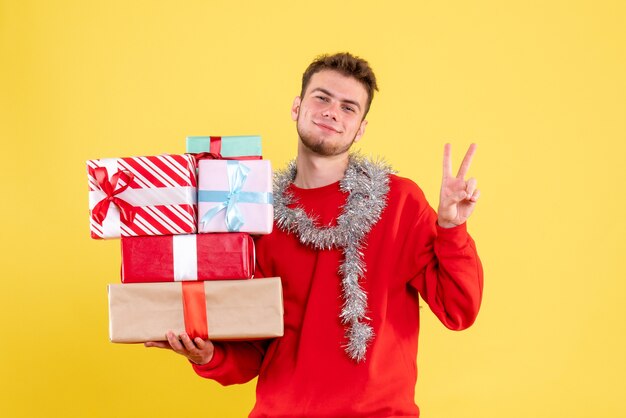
pixel 330 114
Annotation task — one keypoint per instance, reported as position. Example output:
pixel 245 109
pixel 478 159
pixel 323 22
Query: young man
pixel 354 246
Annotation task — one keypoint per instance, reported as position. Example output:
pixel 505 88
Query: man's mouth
pixel 327 127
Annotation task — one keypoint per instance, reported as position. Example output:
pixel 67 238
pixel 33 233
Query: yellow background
pixel 539 85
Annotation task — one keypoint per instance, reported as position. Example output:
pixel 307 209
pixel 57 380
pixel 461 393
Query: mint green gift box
pixel 226 146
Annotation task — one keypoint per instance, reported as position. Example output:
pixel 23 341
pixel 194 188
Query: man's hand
pixel 199 351
pixel 458 197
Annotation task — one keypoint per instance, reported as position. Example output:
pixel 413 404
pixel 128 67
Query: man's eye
pixel 323 98
pixel 349 109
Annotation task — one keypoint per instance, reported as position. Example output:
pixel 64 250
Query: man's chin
pixel 324 147
pixel 325 150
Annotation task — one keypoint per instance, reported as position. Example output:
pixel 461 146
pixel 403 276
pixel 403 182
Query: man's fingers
pixel 447 161
pixel 158 344
pixel 470 187
pixel 475 195
pixel 197 350
pixel 189 345
pixel 175 342
pixel 200 343
pixel 467 161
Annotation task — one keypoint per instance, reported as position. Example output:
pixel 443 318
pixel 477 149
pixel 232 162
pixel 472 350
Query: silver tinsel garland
pixel 367 185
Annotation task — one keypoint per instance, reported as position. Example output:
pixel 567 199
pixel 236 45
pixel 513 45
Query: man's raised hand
pixel 458 197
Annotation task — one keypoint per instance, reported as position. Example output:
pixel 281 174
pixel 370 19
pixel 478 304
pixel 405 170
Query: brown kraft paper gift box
pixel 235 310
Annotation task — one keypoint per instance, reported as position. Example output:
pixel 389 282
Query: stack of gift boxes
pixel 185 223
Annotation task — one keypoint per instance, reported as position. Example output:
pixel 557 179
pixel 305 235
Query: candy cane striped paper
pixel 163 193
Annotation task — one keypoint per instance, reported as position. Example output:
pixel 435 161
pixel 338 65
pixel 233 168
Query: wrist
pixel 202 359
pixel 216 358
pixel 446 224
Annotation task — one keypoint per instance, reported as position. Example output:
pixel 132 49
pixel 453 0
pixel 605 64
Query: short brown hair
pixel 348 65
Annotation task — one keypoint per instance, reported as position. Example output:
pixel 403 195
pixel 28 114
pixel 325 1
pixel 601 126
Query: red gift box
pixel 187 257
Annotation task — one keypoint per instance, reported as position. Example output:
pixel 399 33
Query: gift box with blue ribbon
pixel 235 196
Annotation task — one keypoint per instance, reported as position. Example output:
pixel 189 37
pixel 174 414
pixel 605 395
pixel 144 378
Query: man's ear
pixel 361 130
pixel 295 108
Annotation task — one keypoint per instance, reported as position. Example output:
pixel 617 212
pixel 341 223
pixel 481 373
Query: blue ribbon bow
pixel 237 175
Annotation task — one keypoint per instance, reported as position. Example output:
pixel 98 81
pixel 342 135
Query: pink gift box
pixel 235 196
pixel 137 196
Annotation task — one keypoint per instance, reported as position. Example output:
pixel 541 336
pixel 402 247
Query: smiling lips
pixel 326 127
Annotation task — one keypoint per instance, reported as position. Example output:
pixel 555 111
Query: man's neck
pixel 317 171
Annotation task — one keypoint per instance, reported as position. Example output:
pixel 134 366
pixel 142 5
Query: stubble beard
pixel 321 147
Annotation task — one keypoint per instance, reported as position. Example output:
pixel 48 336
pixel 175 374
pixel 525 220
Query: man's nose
pixel 330 111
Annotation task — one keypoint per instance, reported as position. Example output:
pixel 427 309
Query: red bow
pixel 127 211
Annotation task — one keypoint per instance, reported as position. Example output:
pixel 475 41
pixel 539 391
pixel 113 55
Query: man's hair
pixel 348 65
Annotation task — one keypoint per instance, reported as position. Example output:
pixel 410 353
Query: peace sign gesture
pixel 458 197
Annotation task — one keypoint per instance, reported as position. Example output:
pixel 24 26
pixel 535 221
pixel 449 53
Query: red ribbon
pixel 127 211
pixel 216 145
pixel 215 149
pixel 194 310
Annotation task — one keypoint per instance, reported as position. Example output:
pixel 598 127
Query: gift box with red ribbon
pixel 187 257
pixel 134 196
pixel 218 310
pixel 241 147
pixel 235 196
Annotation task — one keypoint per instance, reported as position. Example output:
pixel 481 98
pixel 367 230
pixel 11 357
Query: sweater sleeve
pixel 235 362
pixel 449 273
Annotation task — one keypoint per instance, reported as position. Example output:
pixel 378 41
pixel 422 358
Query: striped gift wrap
pixel 137 196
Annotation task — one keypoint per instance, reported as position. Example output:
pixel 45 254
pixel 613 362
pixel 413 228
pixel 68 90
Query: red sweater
pixel 306 373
